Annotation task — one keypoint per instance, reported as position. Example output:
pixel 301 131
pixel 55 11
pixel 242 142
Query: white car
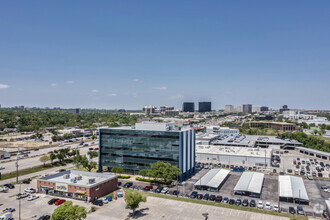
pixel 268 206
pixel 164 190
pixel 2 168
pixel 276 208
pixel 30 190
pixel 22 195
pixel 105 201
pixel 30 198
pixel 8 210
pixel 260 205
pixel 4 189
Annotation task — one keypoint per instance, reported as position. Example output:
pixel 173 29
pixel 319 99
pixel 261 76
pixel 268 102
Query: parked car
pixel 22 195
pixel 33 197
pixel 26 181
pixel 128 185
pixel 275 208
pixel 10 186
pixel 52 201
pixel 231 201
pixel 292 210
pixel 218 198
pixel 148 188
pixel 260 205
pixel 8 210
pixel 159 189
pixel 44 217
pixel 98 202
pixel 2 168
pixel 193 195
pixel 206 196
pixel 62 170
pixel 59 202
pixel 199 196
pixel 175 192
pixel 212 197
pixel 238 202
pixel 245 202
pixel 164 190
pixel 268 206
pixel 30 190
pixel 300 210
pixel 105 201
pixel 225 199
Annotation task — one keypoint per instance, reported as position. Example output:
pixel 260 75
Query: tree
pixel 44 159
pixel 144 172
pixel 133 200
pixel 93 154
pixel 94 137
pixel 52 157
pixel 117 169
pixel 67 211
pixel 165 171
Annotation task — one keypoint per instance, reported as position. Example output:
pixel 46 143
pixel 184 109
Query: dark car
pixel 199 196
pixel 10 186
pixel 98 202
pixel 26 181
pixel 238 202
pixel 212 197
pixel 193 195
pixel 253 203
pixel 292 210
pixel 300 210
pixel 52 201
pixel 206 196
pixel 119 184
pixel 159 189
pixel 128 185
pixel 62 170
pixel 44 217
pixel 319 174
pixel 175 192
pixel 231 201
pixel 245 202
pixel 218 198
pixel 225 200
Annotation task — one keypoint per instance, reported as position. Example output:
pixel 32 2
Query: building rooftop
pixel 250 182
pixel 238 151
pixel 78 178
pixel 292 187
pixel 150 126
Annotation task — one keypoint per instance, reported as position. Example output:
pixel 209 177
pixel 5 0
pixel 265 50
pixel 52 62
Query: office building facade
pixel 264 108
pixel 204 107
pixel 135 148
pixel 188 107
pixel 247 108
pixel 229 108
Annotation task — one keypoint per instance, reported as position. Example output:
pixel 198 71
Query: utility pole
pixel 265 159
pixel 177 185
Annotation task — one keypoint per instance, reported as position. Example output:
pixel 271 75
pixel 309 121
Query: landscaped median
pixel 242 208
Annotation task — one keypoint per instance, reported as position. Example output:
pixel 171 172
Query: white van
pixel 7 216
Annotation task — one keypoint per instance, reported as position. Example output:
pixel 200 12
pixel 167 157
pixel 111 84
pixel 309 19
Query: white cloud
pixel 137 80
pixel 112 94
pixel 53 84
pixel 95 91
pixel 69 82
pixel 4 86
pixel 179 96
pixel 160 88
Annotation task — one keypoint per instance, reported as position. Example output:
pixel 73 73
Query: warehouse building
pixel 212 180
pixel 250 184
pixel 135 148
pixel 314 153
pixel 292 189
pixel 81 185
pixel 233 155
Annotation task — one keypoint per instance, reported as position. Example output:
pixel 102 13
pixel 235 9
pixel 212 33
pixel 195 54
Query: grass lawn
pixel 296 217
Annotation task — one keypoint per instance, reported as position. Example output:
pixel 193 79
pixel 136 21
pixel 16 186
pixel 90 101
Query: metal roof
pixel 250 182
pixel 213 178
pixel 314 151
pixel 292 187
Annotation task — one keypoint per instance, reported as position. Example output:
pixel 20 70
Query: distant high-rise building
pixel 239 108
pixel 73 110
pixel 247 108
pixel 166 108
pixel 188 107
pixel 149 109
pixel 284 108
pixel 229 108
pixel 204 107
pixel 264 108
pixel 256 108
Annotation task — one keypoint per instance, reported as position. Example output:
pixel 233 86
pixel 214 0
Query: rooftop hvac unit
pixel 73 180
pixel 79 177
pixel 66 176
pixel 91 181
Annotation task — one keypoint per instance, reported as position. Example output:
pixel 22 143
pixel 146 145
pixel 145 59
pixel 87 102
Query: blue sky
pixel 127 54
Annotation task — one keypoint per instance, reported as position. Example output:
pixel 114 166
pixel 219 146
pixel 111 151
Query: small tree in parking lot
pixel 67 211
pixel 133 200
pixel 44 159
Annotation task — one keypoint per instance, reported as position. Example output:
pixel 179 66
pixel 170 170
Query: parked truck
pixel 7 216
pixel 5 155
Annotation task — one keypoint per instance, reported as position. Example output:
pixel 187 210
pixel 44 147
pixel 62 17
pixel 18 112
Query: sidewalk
pixel 40 173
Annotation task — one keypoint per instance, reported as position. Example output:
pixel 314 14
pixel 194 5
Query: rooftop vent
pixel 66 176
pixel 91 181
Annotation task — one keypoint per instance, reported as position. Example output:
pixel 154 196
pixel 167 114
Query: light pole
pixel 177 185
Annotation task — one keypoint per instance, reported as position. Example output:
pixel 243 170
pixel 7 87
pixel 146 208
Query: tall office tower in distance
pixel 204 107
pixel 256 108
pixel 149 109
pixel 135 148
pixel 229 108
pixel 264 109
pixel 284 108
pixel 188 107
pixel 247 108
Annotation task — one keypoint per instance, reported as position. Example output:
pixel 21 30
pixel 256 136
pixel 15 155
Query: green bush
pixel 93 209
pixel 154 181
pixel 124 177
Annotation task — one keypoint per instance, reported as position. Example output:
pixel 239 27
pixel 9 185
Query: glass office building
pixel 135 148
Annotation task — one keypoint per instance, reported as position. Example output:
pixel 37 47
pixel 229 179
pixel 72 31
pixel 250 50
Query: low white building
pixel 222 131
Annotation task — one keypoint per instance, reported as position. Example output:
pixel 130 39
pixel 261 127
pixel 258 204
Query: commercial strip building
pixel 282 126
pixel 292 189
pixel 81 185
pixel 135 148
pixel 212 180
pixel 314 153
pixel 250 184
pixel 233 155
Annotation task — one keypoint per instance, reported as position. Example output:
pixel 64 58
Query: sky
pixel 128 54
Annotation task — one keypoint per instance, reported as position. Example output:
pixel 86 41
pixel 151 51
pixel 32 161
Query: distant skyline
pixel 117 54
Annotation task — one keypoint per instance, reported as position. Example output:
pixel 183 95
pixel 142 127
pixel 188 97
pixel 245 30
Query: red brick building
pixel 81 185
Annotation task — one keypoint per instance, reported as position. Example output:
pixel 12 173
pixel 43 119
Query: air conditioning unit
pixel 91 181
pixel 66 176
